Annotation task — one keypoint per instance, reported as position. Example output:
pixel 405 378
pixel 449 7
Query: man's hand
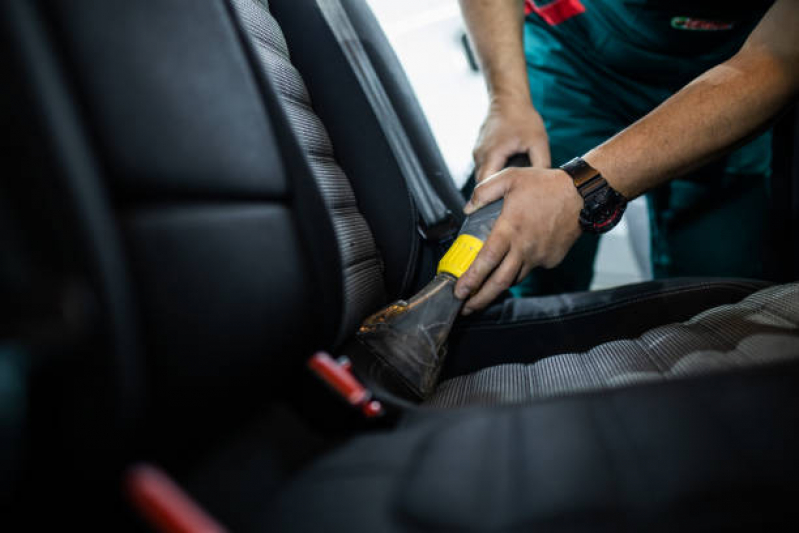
pixel 511 127
pixel 538 225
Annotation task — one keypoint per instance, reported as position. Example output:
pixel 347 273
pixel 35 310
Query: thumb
pixel 488 191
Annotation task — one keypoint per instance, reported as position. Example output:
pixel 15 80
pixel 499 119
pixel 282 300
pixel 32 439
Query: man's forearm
pixel 495 28
pixel 712 114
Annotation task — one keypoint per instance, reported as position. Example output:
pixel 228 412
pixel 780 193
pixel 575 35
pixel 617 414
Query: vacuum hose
pixel 409 336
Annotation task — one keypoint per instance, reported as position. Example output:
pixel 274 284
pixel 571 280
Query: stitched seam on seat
pixel 670 333
pixel 296 101
pixel 545 400
pixel 596 310
pixel 269 46
pixel 588 369
pixel 728 346
pixel 342 206
pixel 529 379
pixel 733 348
pixel 646 351
pixel 768 310
pixel 322 158
pixel 607 307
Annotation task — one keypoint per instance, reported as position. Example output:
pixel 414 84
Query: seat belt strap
pixel 437 221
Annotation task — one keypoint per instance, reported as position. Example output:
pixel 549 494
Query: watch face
pixel 602 211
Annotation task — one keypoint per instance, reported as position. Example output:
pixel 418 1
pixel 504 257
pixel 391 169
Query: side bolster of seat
pixel 398 87
pixel 284 90
pixel 360 149
pixel 360 146
pixel 525 330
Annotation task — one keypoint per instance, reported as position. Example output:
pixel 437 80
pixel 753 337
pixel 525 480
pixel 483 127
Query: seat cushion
pixel 762 328
pixel 525 330
pixel 711 451
pixel 714 453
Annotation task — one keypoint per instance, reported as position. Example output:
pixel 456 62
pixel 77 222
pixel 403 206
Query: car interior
pixel 197 197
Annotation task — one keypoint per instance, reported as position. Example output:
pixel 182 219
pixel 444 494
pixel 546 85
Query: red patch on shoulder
pixel 556 11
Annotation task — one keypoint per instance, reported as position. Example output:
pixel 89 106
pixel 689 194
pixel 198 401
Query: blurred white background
pixel 427 38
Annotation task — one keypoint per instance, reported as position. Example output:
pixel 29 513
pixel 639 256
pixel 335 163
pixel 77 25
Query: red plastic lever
pixel 164 504
pixel 338 375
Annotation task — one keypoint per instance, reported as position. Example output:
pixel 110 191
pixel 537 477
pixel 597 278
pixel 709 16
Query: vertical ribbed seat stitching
pixel 727 343
pixel 362 263
pixel 292 100
pixel 645 349
pixel 589 377
pixel 268 46
pixel 771 311
pixel 671 344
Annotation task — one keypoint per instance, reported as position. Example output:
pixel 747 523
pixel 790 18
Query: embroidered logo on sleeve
pixel 694 24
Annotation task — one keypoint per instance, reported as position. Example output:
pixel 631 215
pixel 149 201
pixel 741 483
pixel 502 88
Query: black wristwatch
pixel 603 206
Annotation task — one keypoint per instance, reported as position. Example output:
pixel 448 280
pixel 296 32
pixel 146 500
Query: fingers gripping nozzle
pixel 469 242
pixel 408 337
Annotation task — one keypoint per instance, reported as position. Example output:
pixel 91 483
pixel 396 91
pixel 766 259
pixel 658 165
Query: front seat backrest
pixel 218 223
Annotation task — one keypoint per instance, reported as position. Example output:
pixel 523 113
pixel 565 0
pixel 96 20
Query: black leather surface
pixel 201 221
pixel 710 454
pixel 170 99
pixel 223 291
pixel 180 128
pixel 524 330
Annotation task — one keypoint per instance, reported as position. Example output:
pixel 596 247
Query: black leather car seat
pixel 408 479
pixel 233 247
pixel 657 352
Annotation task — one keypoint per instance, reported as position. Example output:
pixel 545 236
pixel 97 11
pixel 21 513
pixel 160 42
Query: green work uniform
pixel 606 64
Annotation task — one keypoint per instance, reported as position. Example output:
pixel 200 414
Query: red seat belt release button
pixel 337 374
pixel 165 506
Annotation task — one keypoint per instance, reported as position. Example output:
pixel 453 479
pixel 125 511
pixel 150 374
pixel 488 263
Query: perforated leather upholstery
pixel 763 328
pixel 716 453
pixel 361 264
pixel 206 249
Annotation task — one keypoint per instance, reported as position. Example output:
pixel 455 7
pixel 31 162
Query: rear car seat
pixel 250 239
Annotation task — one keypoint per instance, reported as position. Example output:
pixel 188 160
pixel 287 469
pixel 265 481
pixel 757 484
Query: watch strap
pixel 580 171
pixel 603 205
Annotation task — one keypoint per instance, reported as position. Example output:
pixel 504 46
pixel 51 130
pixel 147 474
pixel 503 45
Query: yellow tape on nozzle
pixel 460 255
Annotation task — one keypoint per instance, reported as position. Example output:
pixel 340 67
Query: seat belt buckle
pixel 441 231
pixel 337 375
